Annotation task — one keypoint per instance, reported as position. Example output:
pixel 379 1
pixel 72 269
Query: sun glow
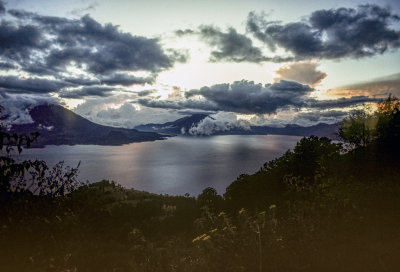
pixel 72 103
pixel 245 117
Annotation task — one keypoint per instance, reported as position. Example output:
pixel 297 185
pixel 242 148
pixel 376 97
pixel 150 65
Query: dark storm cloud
pixel 230 45
pixel 240 97
pixel 192 112
pixel 146 92
pixel 50 47
pixel 179 104
pixel 246 97
pixel 103 48
pixel 2 8
pixel 87 91
pixel 30 85
pixel 341 102
pixel 18 41
pixel 7 66
pixel 126 80
pixel 81 81
pixel 331 34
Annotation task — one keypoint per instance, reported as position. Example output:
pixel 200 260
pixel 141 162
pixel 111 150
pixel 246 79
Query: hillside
pixel 59 126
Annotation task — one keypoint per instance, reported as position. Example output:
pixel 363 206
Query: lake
pixel 174 166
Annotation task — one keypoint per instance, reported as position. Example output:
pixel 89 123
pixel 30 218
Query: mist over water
pixel 175 166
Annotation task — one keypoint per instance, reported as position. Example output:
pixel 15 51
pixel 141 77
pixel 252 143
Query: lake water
pixel 174 166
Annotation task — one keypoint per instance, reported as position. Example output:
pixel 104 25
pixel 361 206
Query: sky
pixel 128 62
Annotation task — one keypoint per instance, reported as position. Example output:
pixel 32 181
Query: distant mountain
pixel 321 130
pixel 182 126
pixel 58 126
pixel 176 127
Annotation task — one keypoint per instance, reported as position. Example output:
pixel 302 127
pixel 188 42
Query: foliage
pixel 313 155
pixel 9 168
pixel 361 128
pixel 388 125
pixel 358 129
pixel 310 161
pixel 210 199
pixel 242 235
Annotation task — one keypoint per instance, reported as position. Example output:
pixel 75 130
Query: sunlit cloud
pixel 302 72
pixel 379 87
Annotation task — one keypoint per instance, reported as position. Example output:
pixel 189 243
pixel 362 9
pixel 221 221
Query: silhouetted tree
pixel 209 198
pixel 358 129
pixel 383 126
pixel 312 155
pixel 388 124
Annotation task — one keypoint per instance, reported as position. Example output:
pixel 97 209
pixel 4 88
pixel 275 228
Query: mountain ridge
pixel 174 127
pixel 58 126
pixel 182 126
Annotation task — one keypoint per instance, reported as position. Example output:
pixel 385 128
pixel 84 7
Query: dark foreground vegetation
pixel 320 207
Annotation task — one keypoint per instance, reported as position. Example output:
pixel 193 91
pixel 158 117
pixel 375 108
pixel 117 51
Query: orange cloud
pixel 302 72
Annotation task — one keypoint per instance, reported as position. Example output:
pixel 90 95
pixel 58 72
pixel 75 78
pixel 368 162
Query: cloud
pixel 103 48
pixel 76 53
pixel 118 111
pixel 246 97
pixel 19 41
pixel 302 72
pixel 183 32
pixel 331 34
pixel 229 46
pixel 209 126
pixel 87 91
pixel 240 97
pixel 178 104
pixel 146 92
pixel 382 87
pixel 219 122
pixel 341 102
pixel 2 8
pixel 316 116
pixel 7 66
pixel 16 84
pixel 126 80
pixel 17 107
pixel 191 112
pixel 81 11
pixel 81 81
pixel 326 34
pixel 304 117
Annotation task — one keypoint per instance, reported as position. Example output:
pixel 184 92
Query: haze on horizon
pixel 127 63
